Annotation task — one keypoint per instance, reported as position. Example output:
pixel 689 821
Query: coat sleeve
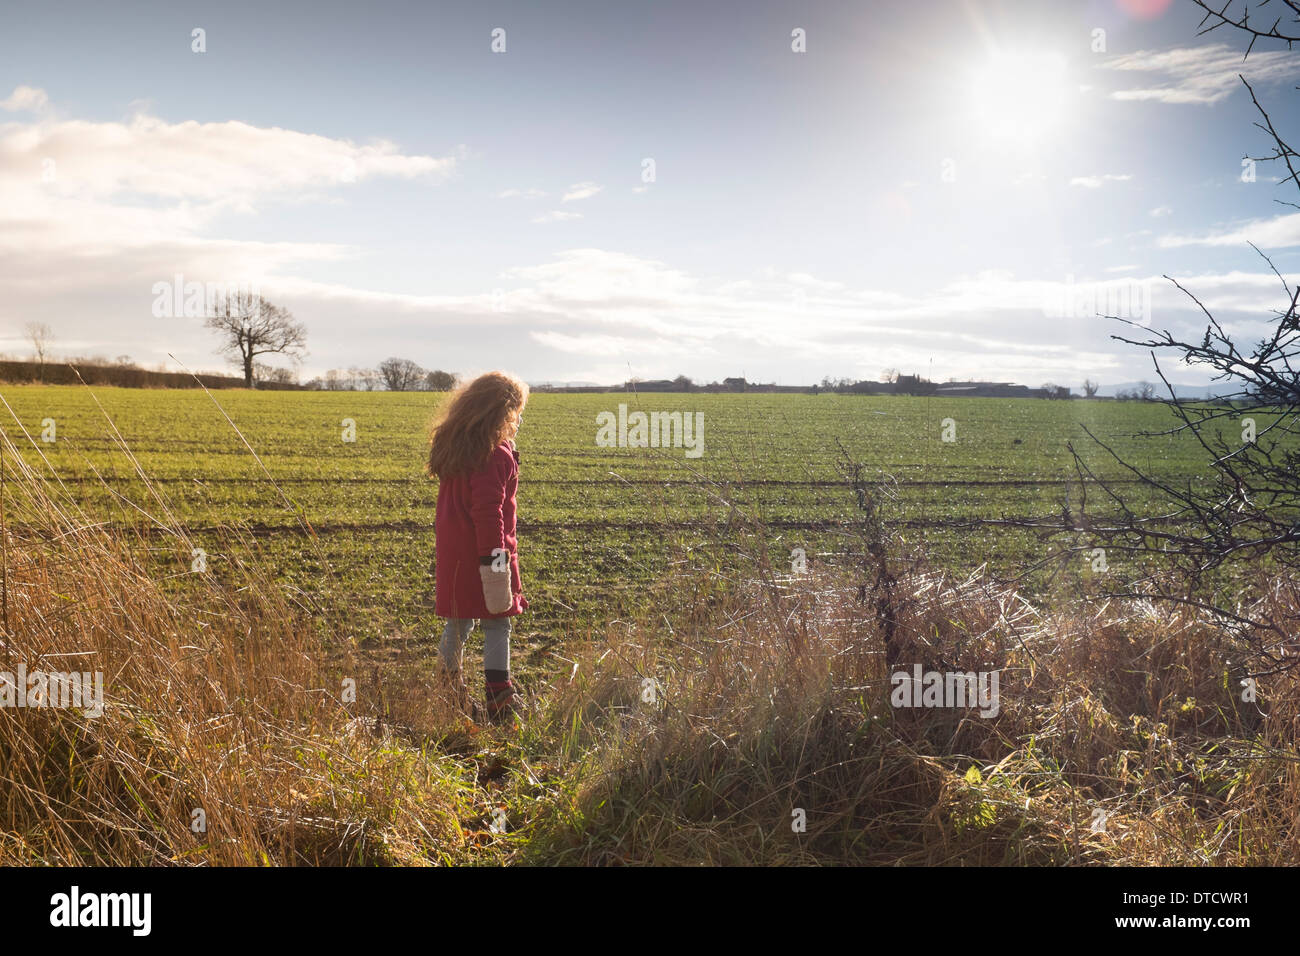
pixel 487 496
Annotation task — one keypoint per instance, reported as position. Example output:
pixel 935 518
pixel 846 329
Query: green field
pixel 597 525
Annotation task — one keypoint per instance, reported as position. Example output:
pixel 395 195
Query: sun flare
pixel 1020 98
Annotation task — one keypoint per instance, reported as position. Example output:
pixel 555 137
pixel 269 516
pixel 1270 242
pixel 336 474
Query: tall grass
pixel 224 738
pixel 1121 737
pixel 747 722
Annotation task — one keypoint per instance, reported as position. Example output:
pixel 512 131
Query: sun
pixel 1020 98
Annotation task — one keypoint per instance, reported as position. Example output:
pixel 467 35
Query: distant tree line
pixel 1141 392
pixel 892 383
pixel 248 326
pixel 392 375
pixel 121 372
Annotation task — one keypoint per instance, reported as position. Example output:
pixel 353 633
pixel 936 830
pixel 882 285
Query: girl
pixel 472 454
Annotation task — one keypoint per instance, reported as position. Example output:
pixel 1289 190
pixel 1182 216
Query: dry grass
pixel 693 736
pixel 779 701
pixel 215 701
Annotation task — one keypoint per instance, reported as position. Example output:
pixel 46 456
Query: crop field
pixel 350 522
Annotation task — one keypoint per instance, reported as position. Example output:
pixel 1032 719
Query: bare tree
pixel 250 326
pixel 683 384
pixel 41 336
pixel 836 384
pixel 1231 14
pixel 440 381
pixel 1185 536
pixel 401 375
pixel 276 376
pixel 1090 388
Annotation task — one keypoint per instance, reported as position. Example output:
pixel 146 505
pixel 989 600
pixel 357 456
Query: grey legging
pixel 496 642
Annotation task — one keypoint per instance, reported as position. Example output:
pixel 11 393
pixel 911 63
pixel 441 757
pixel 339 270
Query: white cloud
pixel 812 282
pixel 102 188
pixel 611 345
pixel 1275 233
pixel 1161 211
pixel 595 277
pixel 557 215
pixel 230 161
pixel 26 99
pixel 1202 74
pixel 587 310
pixel 524 193
pixel 581 191
pixel 1093 182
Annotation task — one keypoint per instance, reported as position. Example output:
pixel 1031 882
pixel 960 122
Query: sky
pixel 592 191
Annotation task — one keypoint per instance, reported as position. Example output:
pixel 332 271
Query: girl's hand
pixel 496 588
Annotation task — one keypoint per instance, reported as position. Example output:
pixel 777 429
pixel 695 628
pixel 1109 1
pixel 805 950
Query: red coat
pixel 476 514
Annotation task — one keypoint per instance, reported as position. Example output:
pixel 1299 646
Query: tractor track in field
pixel 539 528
